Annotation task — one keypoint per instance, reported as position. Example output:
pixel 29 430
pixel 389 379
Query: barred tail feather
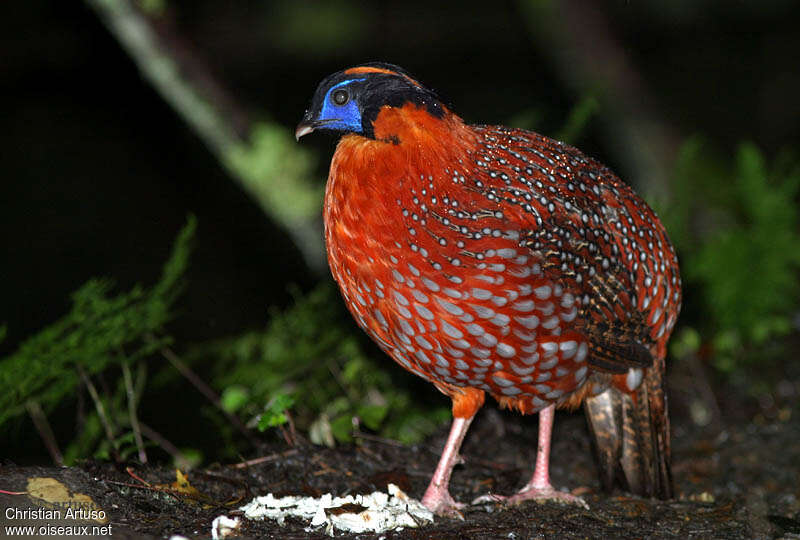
pixel 631 436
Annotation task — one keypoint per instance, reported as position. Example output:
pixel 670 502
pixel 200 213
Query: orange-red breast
pixel 491 259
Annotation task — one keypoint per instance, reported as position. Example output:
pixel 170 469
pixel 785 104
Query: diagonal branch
pixel 134 418
pixel 101 412
pixel 207 391
pixel 45 431
pixel 261 156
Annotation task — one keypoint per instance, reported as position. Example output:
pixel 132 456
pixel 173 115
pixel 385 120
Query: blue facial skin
pixel 345 117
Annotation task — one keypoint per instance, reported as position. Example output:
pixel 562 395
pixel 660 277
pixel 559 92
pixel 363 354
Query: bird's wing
pixel 581 221
pixel 618 334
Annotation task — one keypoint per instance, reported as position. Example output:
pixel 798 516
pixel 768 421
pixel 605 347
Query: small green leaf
pixel 275 412
pixel 578 119
pixel 372 415
pixel 270 420
pixel 686 342
pixel 192 457
pixel 342 428
pixel 234 398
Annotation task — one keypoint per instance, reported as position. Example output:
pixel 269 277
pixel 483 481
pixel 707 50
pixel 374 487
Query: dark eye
pixel 340 97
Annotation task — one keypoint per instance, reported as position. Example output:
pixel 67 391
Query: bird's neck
pixel 405 139
pixel 367 173
pixel 414 127
pixel 371 181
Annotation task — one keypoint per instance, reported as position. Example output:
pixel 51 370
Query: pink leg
pixel 539 487
pixel 437 497
pixel 541 474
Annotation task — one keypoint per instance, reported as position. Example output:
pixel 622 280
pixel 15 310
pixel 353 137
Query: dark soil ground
pixel 738 477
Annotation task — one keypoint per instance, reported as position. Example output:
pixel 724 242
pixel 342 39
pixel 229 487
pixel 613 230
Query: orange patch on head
pixel 413 124
pixel 398 121
pixel 368 69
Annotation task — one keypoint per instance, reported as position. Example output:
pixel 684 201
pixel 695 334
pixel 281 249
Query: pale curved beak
pixel 302 129
pixel 307 125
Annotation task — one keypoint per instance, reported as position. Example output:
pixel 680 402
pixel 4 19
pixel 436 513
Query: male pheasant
pixel 491 259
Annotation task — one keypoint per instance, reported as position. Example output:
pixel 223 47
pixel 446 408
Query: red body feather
pixel 489 259
pixel 495 260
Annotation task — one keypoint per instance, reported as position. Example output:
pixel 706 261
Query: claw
pixel 547 494
pixel 539 488
pixel 444 505
pixel 489 498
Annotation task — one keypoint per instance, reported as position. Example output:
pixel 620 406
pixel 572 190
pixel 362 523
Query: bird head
pixel 351 100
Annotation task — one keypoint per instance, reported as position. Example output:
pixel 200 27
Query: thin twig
pixel 333 367
pixel 180 458
pixel 233 481
pixel 137 433
pixel 265 459
pixel 376 438
pixel 80 412
pixel 128 484
pixel 146 485
pixel 289 435
pixel 363 448
pixel 191 376
pixel 132 474
pixel 286 436
pixel 45 431
pixel 101 411
pixel 206 390
pixel 292 431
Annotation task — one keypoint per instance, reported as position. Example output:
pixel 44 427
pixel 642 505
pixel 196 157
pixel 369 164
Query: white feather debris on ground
pixel 223 526
pixel 376 512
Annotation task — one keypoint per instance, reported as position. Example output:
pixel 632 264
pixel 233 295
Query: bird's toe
pixel 547 494
pixel 444 506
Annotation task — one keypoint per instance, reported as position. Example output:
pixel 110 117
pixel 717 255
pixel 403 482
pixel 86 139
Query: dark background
pixel 99 172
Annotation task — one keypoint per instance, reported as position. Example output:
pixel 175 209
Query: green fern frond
pixel 92 334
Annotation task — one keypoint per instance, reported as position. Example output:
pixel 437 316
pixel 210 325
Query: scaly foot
pixel 441 503
pixel 437 498
pixel 528 493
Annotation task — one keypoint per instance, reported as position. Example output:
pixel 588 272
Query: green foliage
pixel 278 173
pixel 275 412
pixel 685 342
pixel 234 398
pixel 749 268
pixel 124 445
pixel 309 361
pixel 578 119
pixel 189 459
pixel 739 236
pixel 154 8
pixel 574 125
pixel 87 440
pixel 101 330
